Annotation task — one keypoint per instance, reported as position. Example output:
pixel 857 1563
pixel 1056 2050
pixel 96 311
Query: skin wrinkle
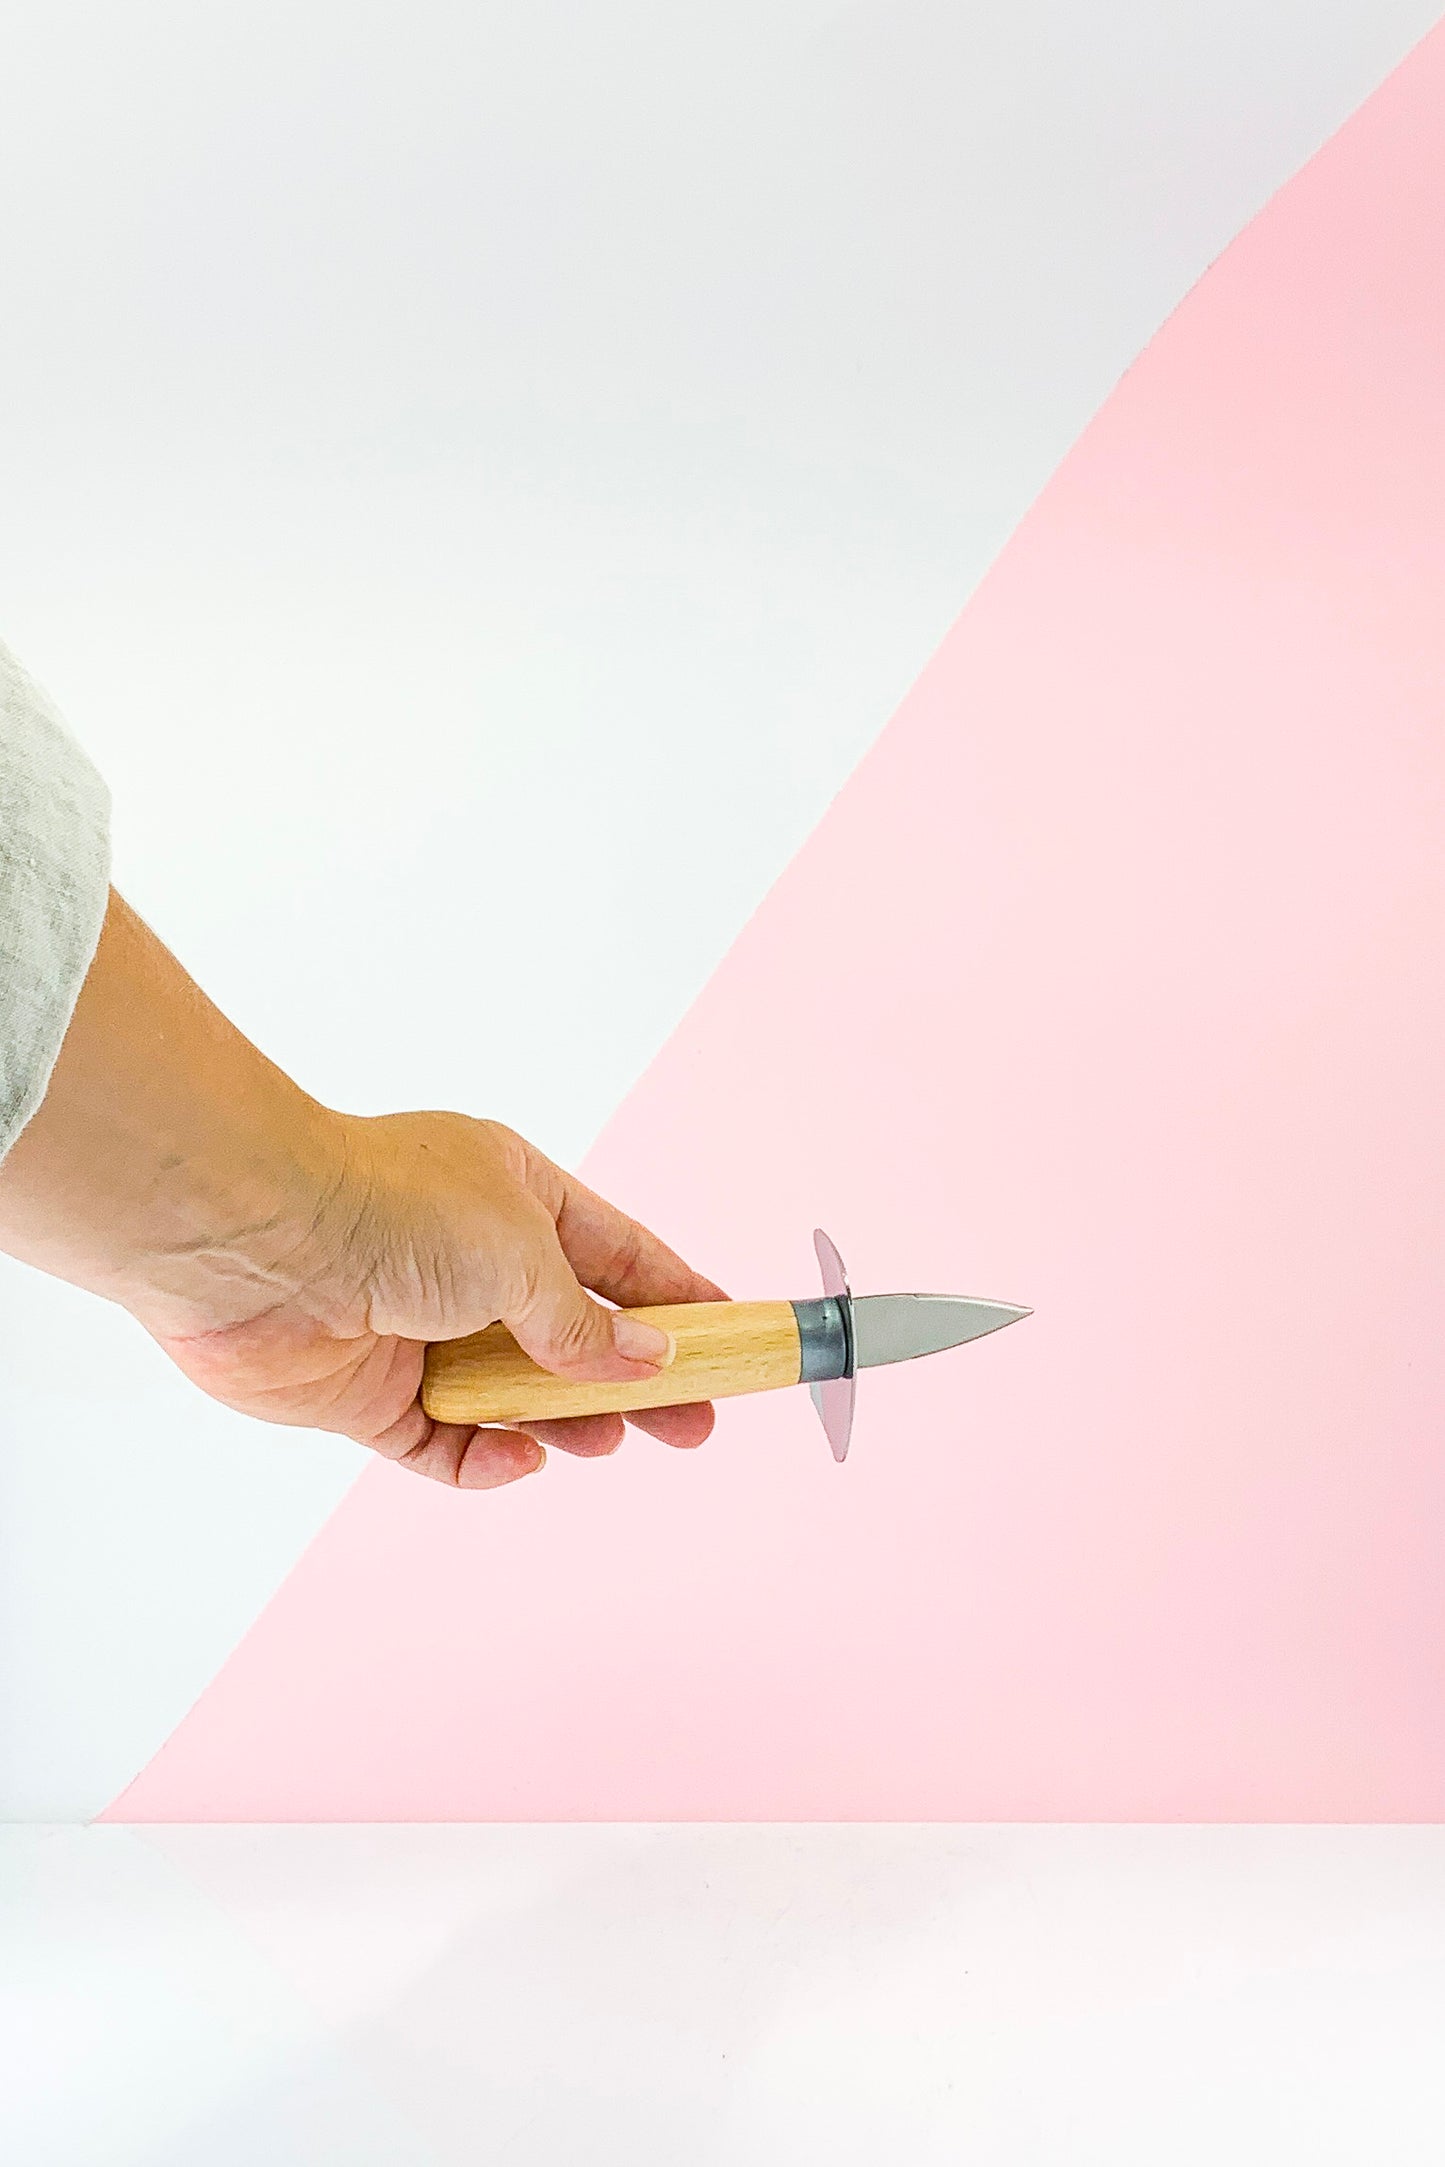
pixel 295 1261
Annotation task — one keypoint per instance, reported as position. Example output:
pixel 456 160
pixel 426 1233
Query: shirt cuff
pixel 55 865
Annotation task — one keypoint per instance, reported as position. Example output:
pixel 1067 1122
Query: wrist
pixel 171 1167
pixel 241 1223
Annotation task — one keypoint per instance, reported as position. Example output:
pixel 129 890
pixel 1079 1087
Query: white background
pixel 476 477
pixel 723 1997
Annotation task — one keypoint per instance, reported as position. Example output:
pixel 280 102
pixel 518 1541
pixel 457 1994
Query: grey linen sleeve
pixel 54 887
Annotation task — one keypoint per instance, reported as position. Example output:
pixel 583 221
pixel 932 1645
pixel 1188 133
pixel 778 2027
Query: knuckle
pixel 510 1151
pixel 628 1247
pixel 575 1338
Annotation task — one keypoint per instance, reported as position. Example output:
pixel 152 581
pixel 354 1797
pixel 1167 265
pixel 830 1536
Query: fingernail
pixel 641 1342
pixel 538 1458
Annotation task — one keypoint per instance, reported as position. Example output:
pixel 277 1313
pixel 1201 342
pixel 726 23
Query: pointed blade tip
pixel 900 1327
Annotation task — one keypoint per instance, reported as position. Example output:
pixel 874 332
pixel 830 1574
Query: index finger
pixel 619 1258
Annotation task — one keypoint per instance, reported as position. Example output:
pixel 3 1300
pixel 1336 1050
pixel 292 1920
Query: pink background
pixel 1112 983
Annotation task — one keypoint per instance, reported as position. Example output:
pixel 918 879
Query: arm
pixel 295 1261
pixel 170 1166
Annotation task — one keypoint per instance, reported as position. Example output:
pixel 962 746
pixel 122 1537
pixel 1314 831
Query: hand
pixel 437 1226
pixel 295 1261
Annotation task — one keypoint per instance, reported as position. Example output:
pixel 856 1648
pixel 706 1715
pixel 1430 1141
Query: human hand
pixel 294 1261
pixel 436 1226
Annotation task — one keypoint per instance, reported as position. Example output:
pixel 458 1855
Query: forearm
pixel 170 1167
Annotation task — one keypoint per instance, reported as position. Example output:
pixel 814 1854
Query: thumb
pixel 559 1325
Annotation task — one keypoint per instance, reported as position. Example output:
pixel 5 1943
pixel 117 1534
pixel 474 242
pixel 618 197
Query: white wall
pixel 476 478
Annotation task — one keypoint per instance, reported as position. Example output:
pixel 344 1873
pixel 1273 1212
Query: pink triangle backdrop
pixel 1114 983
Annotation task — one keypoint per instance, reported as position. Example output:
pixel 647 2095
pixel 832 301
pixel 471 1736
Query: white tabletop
pixel 676 1994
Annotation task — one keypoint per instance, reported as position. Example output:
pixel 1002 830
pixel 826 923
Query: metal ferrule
pixel 826 1336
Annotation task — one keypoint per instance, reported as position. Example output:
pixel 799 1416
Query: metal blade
pixel 899 1327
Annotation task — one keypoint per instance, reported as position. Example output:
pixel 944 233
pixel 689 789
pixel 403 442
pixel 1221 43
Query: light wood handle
pixel 723 1348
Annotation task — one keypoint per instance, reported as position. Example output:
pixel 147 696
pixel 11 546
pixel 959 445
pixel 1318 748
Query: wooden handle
pixel 723 1348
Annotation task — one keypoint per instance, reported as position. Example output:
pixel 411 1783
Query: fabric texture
pixel 54 885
